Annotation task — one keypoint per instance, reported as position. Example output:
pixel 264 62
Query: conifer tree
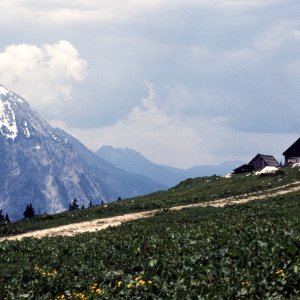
pixel 7 219
pixel 2 218
pixel 29 211
pixel 74 205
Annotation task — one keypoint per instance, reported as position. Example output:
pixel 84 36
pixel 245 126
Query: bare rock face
pixel 38 164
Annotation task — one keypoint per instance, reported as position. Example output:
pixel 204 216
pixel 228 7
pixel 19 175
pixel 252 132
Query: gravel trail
pixel 101 224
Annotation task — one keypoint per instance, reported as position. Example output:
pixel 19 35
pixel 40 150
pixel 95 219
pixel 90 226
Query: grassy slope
pixel 190 191
pixel 247 251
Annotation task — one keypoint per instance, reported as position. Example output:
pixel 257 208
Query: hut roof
pixel 295 148
pixel 268 159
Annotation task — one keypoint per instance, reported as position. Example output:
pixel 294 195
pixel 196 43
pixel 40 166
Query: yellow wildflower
pixel 94 286
pixel 119 283
pixel 81 296
pixel 280 273
pixel 138 278
pixel 52 273
pixel 129 285
pixel 149 282
pixel 44 273
pixel 98 291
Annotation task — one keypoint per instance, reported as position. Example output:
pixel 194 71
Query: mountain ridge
pixel 134 162
pixel 40 165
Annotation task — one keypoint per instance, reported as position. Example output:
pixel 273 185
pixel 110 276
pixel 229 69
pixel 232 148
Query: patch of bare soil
pixel 100 224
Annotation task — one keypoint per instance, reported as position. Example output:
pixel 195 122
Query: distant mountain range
pixel 134 162
pixel 116 181
pixel 49 168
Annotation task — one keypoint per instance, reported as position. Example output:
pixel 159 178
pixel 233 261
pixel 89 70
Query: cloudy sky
pixel 184 82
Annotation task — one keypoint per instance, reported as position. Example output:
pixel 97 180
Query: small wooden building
pixel 292 154
pixel 259 162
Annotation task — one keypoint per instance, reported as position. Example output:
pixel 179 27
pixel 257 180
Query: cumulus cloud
pixel 166 136
pixel 148 129
pixel 43 75
pixel 225 73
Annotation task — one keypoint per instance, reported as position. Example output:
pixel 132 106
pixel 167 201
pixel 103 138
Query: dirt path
pixel 100 224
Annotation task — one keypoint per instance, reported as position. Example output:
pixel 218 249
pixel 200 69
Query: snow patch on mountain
pixel 8 125
pixel 26 130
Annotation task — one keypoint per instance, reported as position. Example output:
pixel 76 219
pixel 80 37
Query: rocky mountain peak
pixel 37 165
pixel 48 168
pixel 18 120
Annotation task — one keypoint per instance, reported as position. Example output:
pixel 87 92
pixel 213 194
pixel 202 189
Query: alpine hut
pixel 292 154
pixel 259 162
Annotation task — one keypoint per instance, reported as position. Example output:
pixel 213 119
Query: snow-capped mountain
pixel 38 164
